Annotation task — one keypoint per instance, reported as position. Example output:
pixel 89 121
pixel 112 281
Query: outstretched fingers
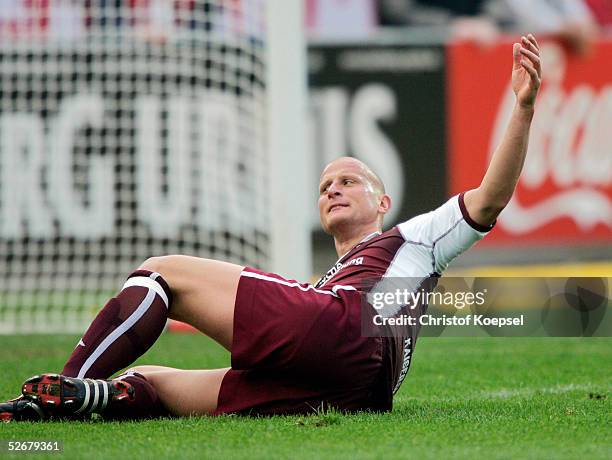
pixel 529 58
pixel 533 40
pixel 531 50
pixel 530 43
pixel 528 66
pixel 533 58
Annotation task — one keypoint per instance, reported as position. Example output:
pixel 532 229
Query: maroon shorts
pixel 296 349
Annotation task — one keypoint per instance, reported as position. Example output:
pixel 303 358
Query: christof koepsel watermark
pixel 500 307
pixel 444 320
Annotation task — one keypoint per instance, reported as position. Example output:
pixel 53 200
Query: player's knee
pixel 162 265
pixel 168 267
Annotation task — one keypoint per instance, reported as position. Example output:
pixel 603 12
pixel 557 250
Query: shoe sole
pixel 58 392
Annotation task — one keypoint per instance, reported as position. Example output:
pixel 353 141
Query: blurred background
pixel 134 128
pixel 421 90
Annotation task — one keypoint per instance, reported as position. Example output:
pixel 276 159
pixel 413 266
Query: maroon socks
pixel 146 403
pixel 127 326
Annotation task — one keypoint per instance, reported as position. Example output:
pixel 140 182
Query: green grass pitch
pixel 463 398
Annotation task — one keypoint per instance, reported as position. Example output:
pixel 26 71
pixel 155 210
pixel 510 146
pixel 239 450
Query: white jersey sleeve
pixel 444 232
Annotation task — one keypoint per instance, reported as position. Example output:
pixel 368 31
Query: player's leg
pixel 185 392
pixel 201 292
pixel 204 292
pixel 141 392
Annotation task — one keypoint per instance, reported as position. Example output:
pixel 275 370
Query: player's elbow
pixel 488 214
pixel 485 207
pixel 494 200
pixel 495 205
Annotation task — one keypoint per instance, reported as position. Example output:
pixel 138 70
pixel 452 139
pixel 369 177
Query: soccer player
pixel 294 347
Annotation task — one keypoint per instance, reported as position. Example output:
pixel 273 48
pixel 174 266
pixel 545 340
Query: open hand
pixel 526 71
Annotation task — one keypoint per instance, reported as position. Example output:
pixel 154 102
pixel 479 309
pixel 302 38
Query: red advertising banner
pixel 565 191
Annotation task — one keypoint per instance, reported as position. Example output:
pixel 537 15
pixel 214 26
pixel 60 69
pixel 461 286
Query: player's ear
pixel 384 204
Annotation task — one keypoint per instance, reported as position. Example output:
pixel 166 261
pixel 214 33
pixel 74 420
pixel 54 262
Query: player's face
pixel 347 197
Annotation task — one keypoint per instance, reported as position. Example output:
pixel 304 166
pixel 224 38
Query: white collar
pixel 365 238
pixel 369 237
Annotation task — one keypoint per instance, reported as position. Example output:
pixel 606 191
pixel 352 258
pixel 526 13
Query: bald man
pixel 294 347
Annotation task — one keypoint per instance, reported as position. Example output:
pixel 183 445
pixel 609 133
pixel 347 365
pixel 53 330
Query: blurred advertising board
pixel 565 191
pixel 383 104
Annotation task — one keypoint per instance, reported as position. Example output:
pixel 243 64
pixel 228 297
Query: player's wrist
pixel 524 108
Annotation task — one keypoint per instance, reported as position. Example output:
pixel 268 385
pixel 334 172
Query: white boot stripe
pixel 94 406
pixel 85 399
pixel 92 388
pixel 104 397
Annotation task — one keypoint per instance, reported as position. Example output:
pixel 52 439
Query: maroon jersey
pixel 418 249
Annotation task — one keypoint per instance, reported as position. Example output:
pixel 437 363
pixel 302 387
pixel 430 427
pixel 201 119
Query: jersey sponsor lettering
pixel 406 357
pixel 336 268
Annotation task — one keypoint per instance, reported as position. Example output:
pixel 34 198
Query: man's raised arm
pixel 486 202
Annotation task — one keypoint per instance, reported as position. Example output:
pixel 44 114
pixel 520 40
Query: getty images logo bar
pixel 504 307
